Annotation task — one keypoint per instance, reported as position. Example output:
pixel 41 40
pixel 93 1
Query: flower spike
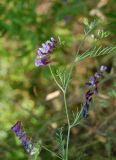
pixel 93 89
pixel 43 52
pixel 17 128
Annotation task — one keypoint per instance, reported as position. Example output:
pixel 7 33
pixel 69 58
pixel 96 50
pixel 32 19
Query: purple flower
pixel 29 146
pixel 103 68
pixel 26 142
pixel 41 62
pixel 93 89
pixel 88 84
pixel 17 129
pixel 43 52
pixel 97 75
pixel 24 139
pixel 93 80
pixel 88 96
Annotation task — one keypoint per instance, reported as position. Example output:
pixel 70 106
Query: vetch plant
pixel 62 79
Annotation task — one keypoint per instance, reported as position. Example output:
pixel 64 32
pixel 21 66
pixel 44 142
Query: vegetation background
pixel 28 93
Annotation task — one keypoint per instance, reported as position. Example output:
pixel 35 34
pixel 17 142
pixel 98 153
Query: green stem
pixel 68 121
pixel 67 144
pixel 64 93
pixel 36 156
pixel 74 61
pixel 66 109
pixel 51 152
pixel 55 79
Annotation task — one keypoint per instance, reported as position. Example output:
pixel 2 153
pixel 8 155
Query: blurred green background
pixel 27 93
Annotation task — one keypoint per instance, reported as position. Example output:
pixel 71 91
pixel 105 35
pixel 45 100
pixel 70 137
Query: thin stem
pixel 67 115
pixel 74 61
pixel 66 109
pixel 68 134
pixel 55 78
pixel 64 93
pixel 36 156
pixel 67 144
pixel 51 152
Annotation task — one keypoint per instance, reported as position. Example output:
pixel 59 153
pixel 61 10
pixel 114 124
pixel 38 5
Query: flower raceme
pixel 93 89
pixel 43 53
pixel 17 128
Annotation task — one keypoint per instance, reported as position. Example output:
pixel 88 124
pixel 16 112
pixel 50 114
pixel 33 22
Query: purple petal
pixel 47 48
pixel 93 80
pixel 39 53
pixel 29 145
pixel 97 75
pixel 41 62
pixel 88 93
pixel 42 52
pixel 103 68
pixel 88 84
pixel 24 140
pixel 16 127
pixel 95 91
